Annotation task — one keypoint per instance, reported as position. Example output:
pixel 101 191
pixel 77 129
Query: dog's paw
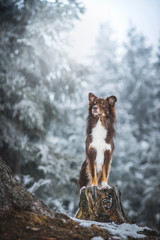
pixel 105 185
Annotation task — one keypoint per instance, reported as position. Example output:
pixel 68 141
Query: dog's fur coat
pixel 99 142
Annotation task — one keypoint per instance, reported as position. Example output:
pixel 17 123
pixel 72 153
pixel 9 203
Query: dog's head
pixel 102 107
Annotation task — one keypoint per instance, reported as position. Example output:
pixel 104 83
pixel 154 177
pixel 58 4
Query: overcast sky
pixel 144 14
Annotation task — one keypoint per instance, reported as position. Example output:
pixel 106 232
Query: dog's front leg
pixel 106 168
pixel 92 167
pixel 94 176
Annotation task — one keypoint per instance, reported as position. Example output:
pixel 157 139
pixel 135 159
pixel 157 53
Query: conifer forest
pixel 44 105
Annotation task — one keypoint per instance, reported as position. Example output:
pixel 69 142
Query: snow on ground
pixel 97 238
pixel 122 231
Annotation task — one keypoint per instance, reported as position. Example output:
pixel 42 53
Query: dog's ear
pixel 91 97
pixel 112 100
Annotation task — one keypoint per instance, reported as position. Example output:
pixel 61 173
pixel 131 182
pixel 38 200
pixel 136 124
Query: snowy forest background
pixel 44 105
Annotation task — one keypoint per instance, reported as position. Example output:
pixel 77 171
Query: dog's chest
pixel 99 134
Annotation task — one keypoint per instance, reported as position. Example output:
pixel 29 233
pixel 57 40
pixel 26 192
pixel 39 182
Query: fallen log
pixel 14 196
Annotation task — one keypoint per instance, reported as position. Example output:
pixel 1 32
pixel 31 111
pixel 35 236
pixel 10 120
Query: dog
pixel 100 131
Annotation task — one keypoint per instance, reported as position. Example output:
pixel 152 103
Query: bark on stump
pixel 102 205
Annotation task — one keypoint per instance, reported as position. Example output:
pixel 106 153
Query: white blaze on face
pixel 99 134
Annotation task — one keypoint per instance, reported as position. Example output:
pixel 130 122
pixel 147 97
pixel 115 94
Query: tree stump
pixel 102 205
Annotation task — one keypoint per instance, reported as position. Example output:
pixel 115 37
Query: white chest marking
pixel 99 134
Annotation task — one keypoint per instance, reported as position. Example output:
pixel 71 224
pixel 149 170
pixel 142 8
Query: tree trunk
pixel 102 205
pixel 14 196
pixel 23 216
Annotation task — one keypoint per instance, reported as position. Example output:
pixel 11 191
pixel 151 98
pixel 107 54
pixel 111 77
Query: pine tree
pixel 151 204
pixel 139 98
pixel 105 62
pixel 37 100
pixel 133 78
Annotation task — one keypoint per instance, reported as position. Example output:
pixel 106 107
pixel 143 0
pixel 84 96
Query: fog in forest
pixel 44 105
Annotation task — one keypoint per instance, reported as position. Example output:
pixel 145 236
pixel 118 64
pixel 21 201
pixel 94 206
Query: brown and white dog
pixel 99 142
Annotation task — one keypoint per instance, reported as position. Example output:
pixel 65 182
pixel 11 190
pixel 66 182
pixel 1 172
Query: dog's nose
pixel 95 108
